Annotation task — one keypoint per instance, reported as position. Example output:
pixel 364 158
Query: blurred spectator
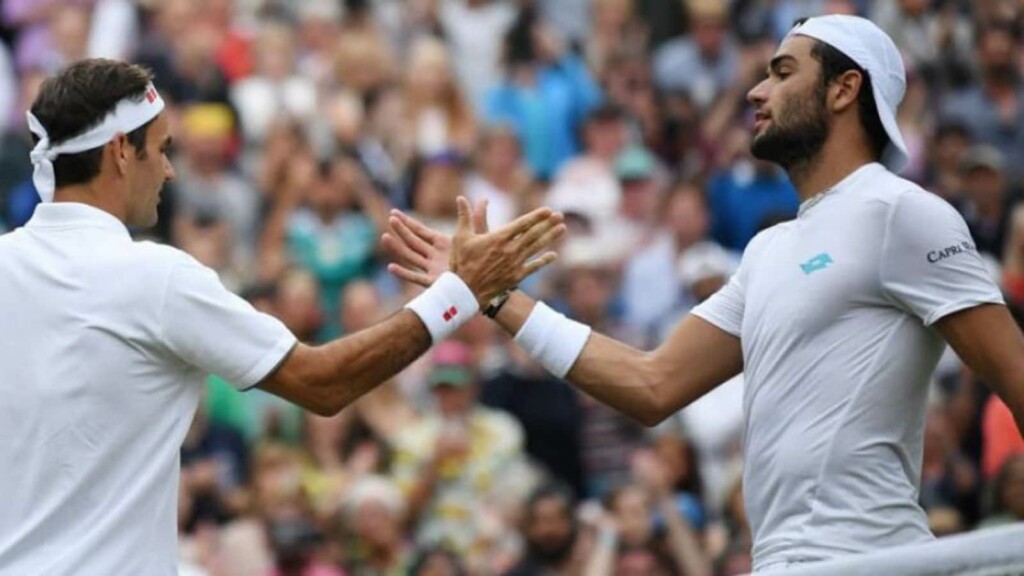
pixel 654 300
pixel 437 562
pixel 437 117
pixel 714 423
pixel 448 463
pixel 943 175
pixel 550 531
pixel 500 177
pixel 276 88
pixel 214 471
pixel 545 94
pixel 937 42
pixel 1013 259
pixel 948 480
pixel 550 411
pixel 587 185
pixel 745 197
pixel 613 32
pixel 703 62
pixel 333 235
pixel 474 29
pixel 375 514
pixel 209 190
pixel 1002 439
pixel 1008 494
pixel 985 198
pixel 991 108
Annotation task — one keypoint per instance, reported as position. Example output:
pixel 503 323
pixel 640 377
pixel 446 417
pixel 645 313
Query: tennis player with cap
pixel 837 318
pixel 105 342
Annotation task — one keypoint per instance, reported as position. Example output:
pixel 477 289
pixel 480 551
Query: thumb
pixel 480 217
pixel 464 226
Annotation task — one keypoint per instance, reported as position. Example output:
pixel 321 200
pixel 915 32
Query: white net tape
pixel 991 552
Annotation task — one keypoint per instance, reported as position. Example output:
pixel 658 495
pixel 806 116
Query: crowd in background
pixel 299 124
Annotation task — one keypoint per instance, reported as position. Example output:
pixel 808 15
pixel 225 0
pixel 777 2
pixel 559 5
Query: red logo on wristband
pixel 450 313
pixel 151 95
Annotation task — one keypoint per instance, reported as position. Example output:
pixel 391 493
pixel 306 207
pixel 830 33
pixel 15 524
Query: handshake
pixel 488 263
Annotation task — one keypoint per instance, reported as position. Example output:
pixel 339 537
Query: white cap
pixel 874 51
pixel 705 260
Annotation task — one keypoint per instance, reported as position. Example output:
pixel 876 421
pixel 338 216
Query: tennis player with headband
pixel 836 318
pixel 105 342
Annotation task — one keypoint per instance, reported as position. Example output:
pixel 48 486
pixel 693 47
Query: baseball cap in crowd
pixel 705 260
pixel 634 163
pixel 452 365
pixel 873 50
pixel 982 156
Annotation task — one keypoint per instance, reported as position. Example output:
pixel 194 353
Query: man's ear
pixel 845 88
pixel 119 152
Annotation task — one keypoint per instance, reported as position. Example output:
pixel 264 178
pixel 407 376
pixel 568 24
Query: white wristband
pixel 552 339
pixel 445 306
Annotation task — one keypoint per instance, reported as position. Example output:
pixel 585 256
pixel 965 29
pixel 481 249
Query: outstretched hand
pixel 489 262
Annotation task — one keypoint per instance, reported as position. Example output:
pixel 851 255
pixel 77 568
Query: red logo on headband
pixel 151 95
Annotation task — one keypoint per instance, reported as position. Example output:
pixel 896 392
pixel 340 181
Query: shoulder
pixel 156 256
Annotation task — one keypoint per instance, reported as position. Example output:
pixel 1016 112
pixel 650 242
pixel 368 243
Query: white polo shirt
pixel 835 312
pixel 104 345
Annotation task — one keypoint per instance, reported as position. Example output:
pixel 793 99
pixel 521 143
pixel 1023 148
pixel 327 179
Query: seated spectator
pixel 1008 494
pixel 448 463
pixel 549 530
pixel 374 515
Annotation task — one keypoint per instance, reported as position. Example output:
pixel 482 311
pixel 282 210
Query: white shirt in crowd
pixel 835 311
pixel 104 347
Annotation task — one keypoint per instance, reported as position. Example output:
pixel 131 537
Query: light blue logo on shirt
pixel 819 262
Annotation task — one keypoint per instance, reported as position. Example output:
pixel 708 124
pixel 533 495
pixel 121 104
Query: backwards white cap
pixel 873 50
pixel 126 116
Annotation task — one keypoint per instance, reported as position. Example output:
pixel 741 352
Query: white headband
pixel 126 116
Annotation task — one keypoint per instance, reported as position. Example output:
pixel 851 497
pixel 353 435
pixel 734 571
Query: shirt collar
pixel 851 179
pixel 74 215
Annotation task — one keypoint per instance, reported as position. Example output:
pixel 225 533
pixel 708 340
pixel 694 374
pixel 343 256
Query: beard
pixel 551 553
pixel 797 136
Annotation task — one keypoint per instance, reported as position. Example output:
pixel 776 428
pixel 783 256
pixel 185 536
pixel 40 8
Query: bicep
pixel 695 359
pixel 989 341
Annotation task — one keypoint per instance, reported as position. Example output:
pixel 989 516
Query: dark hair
pixel 833 63
pixel 519 48
pixel 77 99
pixel 552 490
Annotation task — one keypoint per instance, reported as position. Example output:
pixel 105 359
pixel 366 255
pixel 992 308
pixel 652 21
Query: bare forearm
pixel 613 373
pixel 327 378
pixel 371 356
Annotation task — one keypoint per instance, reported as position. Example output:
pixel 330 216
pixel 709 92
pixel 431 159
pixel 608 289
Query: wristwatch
pixel 494 306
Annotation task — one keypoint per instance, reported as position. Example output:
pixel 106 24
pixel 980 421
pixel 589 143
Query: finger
pixel 524 223
pixel 411 240
pixel 422 230
pixel 463 226
pixel 534 265
pixel 402 252
pixel 545 241
pixel 480 217
pixel 532 235
pixel 411 276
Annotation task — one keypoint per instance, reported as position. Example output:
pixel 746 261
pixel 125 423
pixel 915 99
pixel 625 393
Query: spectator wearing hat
pixel 374 514
pixel 448 464
pixel 986 199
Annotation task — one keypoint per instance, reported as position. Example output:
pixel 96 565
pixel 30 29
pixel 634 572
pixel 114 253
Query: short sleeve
pixel 724 308
pixel 214 330
pixel 929 264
